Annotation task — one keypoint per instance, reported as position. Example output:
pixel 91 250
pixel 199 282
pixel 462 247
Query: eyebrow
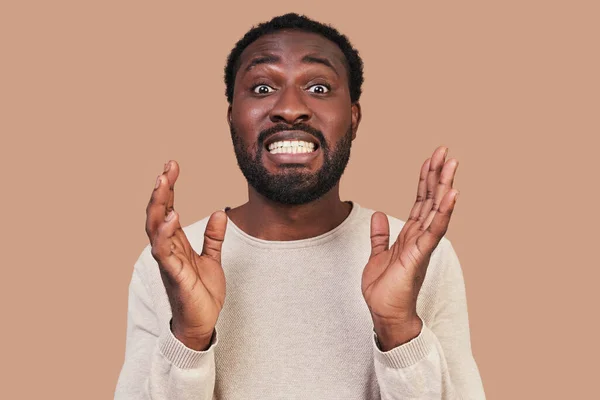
pixel 269 59
pixel 319 60
pixel 273 59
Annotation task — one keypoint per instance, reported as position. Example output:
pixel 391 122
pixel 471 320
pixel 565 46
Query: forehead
pixel 293 45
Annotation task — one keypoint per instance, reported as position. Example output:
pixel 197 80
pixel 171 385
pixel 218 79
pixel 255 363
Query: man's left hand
pixel 393 276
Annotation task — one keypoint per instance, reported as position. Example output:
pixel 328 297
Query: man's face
pixel 292 86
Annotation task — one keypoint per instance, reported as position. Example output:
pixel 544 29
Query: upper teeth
pixel 291 146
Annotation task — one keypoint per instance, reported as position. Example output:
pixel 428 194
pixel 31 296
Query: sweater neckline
pixel 291 244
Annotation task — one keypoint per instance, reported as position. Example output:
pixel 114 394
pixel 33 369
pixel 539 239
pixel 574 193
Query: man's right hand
pixel 195 283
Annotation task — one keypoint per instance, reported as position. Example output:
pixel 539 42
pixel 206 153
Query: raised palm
pixel 195 283
pixel 393 275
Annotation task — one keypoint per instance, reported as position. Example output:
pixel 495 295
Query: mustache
pixel 265 134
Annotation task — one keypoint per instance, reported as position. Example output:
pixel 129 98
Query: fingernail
pixel 157 182
pixel 445 153
pixel 456 196
pixel 170 215
pixel 167 166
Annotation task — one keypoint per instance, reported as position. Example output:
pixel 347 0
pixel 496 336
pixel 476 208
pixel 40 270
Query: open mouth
pixel 291 147
pixel 292 142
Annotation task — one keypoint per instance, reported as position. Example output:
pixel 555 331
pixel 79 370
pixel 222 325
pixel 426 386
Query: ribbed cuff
pixel 182 356
pixel 408 353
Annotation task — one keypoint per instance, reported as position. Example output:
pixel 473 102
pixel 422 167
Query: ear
pixel 356 117
pixel 229 115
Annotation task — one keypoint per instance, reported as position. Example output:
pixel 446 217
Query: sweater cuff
pixel 182 356
pixel 408 353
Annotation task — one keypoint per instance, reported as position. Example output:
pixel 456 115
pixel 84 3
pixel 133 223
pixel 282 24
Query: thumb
pixel 214 234
pixel 380 233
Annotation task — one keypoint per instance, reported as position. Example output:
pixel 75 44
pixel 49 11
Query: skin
pixel 392 278
pixel 291 102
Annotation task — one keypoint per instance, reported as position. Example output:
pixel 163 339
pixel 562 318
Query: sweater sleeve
pixel 157 365
pixel 438 363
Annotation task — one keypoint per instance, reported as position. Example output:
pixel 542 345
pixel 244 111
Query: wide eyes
pixel 263 89
pixel 318 89
pixel 266 89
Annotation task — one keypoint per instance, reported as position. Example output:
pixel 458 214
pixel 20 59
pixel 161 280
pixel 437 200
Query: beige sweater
pixel 295 326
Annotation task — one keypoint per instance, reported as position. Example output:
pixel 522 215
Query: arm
pixel 438 363
pixel 173 360
pixel 157 365
pixel 421 361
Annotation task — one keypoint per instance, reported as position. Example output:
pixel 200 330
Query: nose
pixel 290 107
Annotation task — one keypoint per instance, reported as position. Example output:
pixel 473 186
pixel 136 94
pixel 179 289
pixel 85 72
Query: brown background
pixel 96 97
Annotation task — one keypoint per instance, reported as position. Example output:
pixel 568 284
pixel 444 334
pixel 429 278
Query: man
pixel 325 299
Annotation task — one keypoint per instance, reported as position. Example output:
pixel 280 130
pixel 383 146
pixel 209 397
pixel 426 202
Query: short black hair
pixel 303 23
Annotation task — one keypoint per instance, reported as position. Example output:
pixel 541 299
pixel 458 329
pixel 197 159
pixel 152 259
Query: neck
pixel 268 220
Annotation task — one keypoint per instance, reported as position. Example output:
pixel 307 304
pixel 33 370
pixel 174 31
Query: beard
pixel 294 184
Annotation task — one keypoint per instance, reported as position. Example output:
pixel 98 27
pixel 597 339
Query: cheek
pixel 248 115
pixel 336 122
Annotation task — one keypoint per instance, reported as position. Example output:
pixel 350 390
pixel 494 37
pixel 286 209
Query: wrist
pixel 191 339
pixel 392 335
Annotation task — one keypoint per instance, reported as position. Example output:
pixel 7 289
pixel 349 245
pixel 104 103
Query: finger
pixel 433 173
pixel 435 169
pixel 413 217
pixel 380 233
pixel 181 271
pixel 444 185
pixel 172 173
pixel 165 249
pixel 155 211
pixel 183 248
pixel 181 243
pixel 430 238
pixel 162 199
pixel 214 234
